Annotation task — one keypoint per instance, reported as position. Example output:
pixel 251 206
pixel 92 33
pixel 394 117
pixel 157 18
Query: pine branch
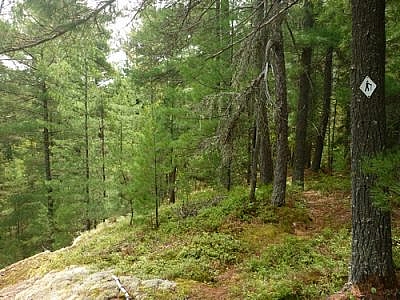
pixel 57 31
pixel 259 27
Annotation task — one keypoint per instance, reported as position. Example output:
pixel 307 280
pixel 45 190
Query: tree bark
pixel 103 149
pixel 265 152
pixel 371 260
pixel 281 114
pixel 254 163
pixel 47 165
pixel 331 143
pixel 303 104
pixel 223 32
pixel 87 166
pixel 171 185
pixel 326 109
pixel 266 163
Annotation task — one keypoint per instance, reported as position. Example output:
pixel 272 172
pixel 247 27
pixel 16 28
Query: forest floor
pixel 325 211
pixel 213 247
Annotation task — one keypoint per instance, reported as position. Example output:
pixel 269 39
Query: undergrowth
pixel 202 238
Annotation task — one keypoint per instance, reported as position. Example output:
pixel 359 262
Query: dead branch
pixel 121 287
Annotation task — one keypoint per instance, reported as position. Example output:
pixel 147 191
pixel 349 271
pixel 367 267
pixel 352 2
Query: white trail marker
pixel 368 86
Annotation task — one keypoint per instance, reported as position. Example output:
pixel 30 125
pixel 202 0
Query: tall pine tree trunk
pixel 88 222
pixel 303 104
pixel 371 260
pixel 47 165
pixel 223 33
pixel 281 114
pixel 261 155
pixel 265 152
pixel 326 109
pixel 103 149
pixel 254 161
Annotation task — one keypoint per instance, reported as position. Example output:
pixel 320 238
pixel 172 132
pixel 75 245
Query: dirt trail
pixel 331 211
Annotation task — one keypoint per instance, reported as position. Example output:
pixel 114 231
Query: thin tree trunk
pixel 265 152
pixel 156 181
pixel 326 110
pixel 254 162
pixel 332 139
pixel 47 166
pixel 251 140
pixel 266 163
pixel 223 30
pixel 371 259
pixel 87 167
pixel 281 114
pixel 171 185
pixel 303 104
pixel 103 150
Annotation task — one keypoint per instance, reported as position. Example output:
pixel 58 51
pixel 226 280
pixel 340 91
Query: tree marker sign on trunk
pixel 367 86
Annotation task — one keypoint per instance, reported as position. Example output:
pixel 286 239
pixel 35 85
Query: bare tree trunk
pixel 371 259
pixel 103 150
pixel 303 104
pixel 266 163
pixel 251 140
pixel 332 132
pixel 87 167
pixel 171 185
pixel 281 114
pixel 326 110
pixel 224 32
pixel 47 165
pixel 156 197
pixel 265 152
pixel 254 162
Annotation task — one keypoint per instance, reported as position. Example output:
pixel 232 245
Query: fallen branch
pixel 121 287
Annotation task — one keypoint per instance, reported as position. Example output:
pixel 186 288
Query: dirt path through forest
pixel 325 210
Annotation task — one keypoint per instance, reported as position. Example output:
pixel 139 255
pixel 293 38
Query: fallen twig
pixel 121 287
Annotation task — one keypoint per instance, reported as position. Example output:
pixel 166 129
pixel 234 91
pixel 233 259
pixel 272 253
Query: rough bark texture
pixel 281 114
pixel 265 153
pixel 261 151
pixel 326 109
pixel 303 104
pixel 371 260
pixel 266 163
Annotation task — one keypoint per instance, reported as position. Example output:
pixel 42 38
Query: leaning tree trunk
pixel 303 104
pixel 281 114
pixel 326 109
pixel 371 260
